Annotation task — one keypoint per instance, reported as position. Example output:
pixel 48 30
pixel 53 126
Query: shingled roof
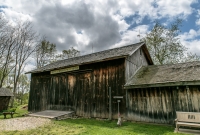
pixel 166 75
pixel 5 92
pixel 94 57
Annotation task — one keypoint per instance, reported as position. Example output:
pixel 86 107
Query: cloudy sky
pixel 104 24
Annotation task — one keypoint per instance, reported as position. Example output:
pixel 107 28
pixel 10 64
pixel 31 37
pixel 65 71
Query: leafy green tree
pixel 163 43
pixel 45 53
pixel 70 53
pixel 191 57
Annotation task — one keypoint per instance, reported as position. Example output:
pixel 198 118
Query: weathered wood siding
pixel 134 62
pixel 86 91
pixel 4 101
pixel 159 105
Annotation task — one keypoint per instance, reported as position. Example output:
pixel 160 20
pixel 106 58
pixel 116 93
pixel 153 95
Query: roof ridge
pixel 101 51
pixel 92 57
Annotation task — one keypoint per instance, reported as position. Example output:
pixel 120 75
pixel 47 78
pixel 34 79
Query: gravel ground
pixel 22 123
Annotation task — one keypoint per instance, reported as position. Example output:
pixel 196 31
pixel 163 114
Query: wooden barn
pixel 5 96
pixel 82 83
pixel 155 93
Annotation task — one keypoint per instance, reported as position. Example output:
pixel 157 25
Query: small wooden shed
pixel 5 96
pixel 155 92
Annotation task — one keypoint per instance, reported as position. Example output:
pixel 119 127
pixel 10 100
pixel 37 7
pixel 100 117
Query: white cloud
pixel 171 8
pixel 67 2
pixel 193 46
pixel 61 40
pixel 198 22
pixel 14 16
pixel 82 40
pixel 123 26
pixel 191 41
pixel 191 35
pixel 123 7
pixel 132 36
pixel 30 64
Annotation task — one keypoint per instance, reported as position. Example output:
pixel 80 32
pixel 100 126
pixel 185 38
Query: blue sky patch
pixel 3 6
pixel 79 32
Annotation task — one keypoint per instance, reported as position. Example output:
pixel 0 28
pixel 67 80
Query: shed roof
pixel 166 75
pixel 95 57
pixel 5 92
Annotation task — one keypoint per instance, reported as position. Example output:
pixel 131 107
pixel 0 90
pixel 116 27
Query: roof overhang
pixel 5 92
pixel 165 84
pixel 107 59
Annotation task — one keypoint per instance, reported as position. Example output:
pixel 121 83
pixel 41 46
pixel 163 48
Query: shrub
pixel 12 110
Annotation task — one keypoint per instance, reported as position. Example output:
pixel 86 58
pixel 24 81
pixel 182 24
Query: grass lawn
pixel 95 127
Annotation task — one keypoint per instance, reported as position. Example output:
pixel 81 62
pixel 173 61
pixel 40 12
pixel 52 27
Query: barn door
pixel 84 94
pixel 43 93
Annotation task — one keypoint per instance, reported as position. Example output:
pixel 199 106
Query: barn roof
pixel 166 75
pixel 96 57
pixel 5 92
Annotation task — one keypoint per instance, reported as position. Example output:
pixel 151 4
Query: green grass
pixel 95 127
pixel 19 112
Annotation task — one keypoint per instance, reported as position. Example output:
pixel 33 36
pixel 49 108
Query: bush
pixel 10 110
pixel 16 104
pixel 4 110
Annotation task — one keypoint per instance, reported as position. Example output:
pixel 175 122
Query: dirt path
pixel 22 123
